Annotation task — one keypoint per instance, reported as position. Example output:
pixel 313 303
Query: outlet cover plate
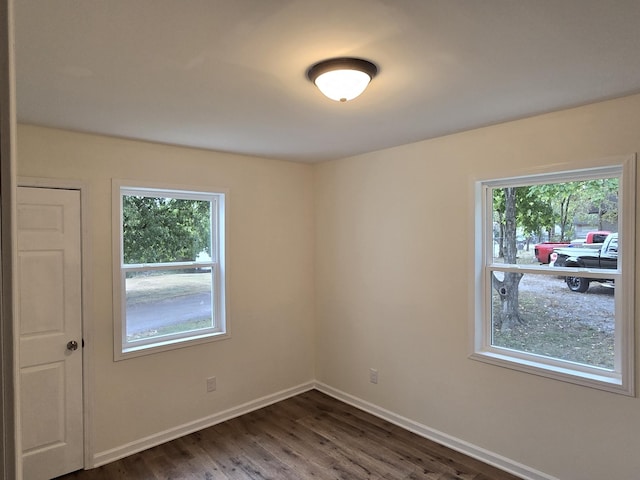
pixel 211 384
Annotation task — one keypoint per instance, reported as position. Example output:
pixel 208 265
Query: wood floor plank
pixel 204 460
pixel 304 467
pixel 186 461
pixel 232 462
pixel 312 448
pixel 263 463
pixel 309 436
pixel 371 455
pixel 357 424
pixel 319 449
pixel 435 451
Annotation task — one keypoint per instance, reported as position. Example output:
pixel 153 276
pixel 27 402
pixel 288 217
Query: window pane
pixel 554 321
pixel 162 229
pixel 168 302
pixel 530 221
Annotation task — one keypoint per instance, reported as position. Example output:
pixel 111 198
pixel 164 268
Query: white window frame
pixel 218 198
pixel 621 378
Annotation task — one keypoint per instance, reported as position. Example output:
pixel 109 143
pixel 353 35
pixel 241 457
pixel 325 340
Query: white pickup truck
pixel 604 257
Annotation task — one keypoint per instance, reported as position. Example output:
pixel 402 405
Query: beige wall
pixel 392 292
pixel 270 281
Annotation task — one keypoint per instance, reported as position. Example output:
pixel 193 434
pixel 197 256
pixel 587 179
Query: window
pixel 552 296
pixel 169 275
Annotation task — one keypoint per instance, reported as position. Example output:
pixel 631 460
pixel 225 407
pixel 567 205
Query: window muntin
pixel 169 288
pixel 563 335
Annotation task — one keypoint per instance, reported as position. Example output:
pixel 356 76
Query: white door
pixel 50 322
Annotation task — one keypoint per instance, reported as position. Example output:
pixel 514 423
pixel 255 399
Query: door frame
pixel 87 327
pixel 9 434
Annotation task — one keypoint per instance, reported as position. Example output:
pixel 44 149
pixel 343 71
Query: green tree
pixel 530 209
pixel 538 207
pixel 571 200
pixel 158 229
pixel 600 197
pixel 533 214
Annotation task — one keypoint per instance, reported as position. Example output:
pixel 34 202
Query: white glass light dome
pixel 342 79
pixel 343 85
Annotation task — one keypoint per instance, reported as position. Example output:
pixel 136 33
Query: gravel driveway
pixel 595 307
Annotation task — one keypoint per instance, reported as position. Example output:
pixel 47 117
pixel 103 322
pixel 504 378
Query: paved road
pixel 148 316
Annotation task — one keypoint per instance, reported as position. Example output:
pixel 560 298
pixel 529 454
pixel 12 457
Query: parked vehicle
pixel 543 250
pixel 605 257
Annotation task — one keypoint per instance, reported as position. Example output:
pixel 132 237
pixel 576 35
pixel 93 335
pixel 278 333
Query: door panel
pixel 44 384
pixel 50 315
pixel 42 272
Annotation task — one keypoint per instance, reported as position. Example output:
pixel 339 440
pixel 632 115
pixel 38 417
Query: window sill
pixel 581 375
pixel 167 345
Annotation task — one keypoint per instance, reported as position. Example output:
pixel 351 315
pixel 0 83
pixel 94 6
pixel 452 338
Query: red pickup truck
pixel 543 250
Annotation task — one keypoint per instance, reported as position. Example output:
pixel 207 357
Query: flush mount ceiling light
pixel 342 79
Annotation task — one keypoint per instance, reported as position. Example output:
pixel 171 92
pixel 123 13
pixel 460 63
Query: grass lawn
pixel 153 288
pixel 557 337
pixel 169 329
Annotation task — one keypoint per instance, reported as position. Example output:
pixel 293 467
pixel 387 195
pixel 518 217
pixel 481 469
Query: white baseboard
pixel 127 449
pixel 503 463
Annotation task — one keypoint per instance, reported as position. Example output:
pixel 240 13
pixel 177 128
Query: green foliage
pixel 542 208
pixel 533 212
pixel 600 197
pixel 561 198
pixel 158 230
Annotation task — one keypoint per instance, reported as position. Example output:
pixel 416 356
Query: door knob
pixel 72 345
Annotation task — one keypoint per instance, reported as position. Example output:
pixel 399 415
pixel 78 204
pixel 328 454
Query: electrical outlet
pixel 211 384
pixel 373 375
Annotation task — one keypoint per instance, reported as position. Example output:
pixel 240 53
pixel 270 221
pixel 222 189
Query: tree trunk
pixel 564 218
pixel 600 217
pixel 510 315
pixel 508 287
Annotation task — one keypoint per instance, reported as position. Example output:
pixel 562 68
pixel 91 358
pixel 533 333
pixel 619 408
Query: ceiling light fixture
pixel 342 79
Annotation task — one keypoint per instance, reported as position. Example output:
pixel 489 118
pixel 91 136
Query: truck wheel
pixel 578 284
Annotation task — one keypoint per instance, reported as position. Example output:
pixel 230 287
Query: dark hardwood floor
pixel 308 436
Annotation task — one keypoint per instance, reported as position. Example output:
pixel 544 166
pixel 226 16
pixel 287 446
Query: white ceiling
pixel 229 75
